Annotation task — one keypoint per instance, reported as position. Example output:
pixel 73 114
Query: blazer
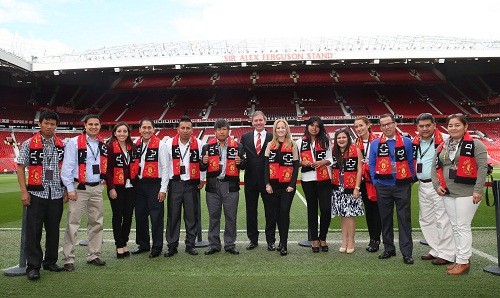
pixel 254 172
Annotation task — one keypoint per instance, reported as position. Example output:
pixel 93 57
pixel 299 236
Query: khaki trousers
pixel 90 200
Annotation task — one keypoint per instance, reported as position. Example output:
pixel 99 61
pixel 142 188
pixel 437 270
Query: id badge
pixel 183 170
pixel 95 169
pixel 452 173
pixel 49 175
pixel 128 184
pixel 341 179
pixel 419 168
pixel 393 165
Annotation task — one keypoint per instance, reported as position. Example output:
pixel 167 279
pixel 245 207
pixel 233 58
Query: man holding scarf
pixel 183 155
pixel 391 170
pixel 434 222
pixel 223 158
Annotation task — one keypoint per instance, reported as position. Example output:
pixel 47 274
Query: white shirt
pixel 262 138
pixel 184 161
pixel 311 175
pixel 162 164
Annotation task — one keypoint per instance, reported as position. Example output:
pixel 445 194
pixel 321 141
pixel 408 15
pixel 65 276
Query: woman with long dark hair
pixel 368 193
pixel 121 172
pixel 315 158
pixel 458 175
pixel 346 180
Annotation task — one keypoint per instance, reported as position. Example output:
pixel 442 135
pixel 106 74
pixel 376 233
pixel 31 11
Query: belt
pixel 425 180
pixel 89 183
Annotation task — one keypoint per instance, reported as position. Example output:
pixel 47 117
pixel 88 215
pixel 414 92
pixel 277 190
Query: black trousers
pixel 318 194
pixel 123 210
pixel 252 202
pixel 399 196
pixel 282 201
pixel 372 215
pixel 181 194
pixel 42 213
pixel 148 207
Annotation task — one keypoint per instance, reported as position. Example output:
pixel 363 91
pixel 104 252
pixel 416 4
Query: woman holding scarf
pixel 121 172
pixel 280 177
pixel 368 191
pixel 315 158
pixel 459 174
pixel 346 180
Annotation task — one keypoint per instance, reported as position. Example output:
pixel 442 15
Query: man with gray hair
pixel 222 159
pixel 253 143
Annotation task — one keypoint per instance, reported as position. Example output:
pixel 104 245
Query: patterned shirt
pixel 50 161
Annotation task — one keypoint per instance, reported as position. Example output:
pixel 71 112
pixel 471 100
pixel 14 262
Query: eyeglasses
pixel 387 124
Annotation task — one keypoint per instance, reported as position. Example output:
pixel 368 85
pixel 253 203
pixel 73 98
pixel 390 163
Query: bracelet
pixel 358 188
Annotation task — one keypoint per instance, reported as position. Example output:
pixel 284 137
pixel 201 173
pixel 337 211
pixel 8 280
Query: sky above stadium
pixel 51 27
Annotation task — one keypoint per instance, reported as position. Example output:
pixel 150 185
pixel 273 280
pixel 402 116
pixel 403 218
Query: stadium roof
pixel 248 52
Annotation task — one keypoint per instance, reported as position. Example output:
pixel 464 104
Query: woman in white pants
pixel 459 173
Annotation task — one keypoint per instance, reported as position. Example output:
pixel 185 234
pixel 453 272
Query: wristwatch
pixel 358 188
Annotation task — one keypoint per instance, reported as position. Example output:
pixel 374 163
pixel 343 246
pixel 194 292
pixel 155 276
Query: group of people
pixel 342 178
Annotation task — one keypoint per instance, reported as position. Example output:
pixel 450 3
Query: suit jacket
pixel 254 173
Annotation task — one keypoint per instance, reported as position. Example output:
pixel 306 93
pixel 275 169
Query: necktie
pixel 258 145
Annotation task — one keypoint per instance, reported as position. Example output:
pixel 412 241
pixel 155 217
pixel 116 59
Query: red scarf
pixel 280 163
pixel 466 166
pixel 438 139
pixel 35 169
pixel 232 171
pixel 383 169
pixel 119 164
pixel 349 167
pixel 151 167
pixel 82 159
pixel 320 154
pixel 371 191
pixel 194 158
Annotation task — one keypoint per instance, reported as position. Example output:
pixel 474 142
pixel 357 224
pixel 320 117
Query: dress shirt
pixel 162 164
pixel 69 170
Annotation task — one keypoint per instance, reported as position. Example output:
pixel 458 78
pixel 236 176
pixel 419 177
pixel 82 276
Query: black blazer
pixel 254 173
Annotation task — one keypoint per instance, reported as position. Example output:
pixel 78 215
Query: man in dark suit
pixel 254 143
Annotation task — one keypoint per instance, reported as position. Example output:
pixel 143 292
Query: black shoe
pixel 33 274
pixel 283 251
pixel 127 253
pixel 97 262
pixel 252 245
pixel 233 250
pixel 315 248
pixel 120 256
pixel 211 251
pixel 170 252
pixel 139 250
pixel 278 249
pixel 154 254
pixel 192 251
pixel 69 267
pixel 387 254
pixel 324 248
pixel 373 246
pixel 53 268
pixel 408 260
pixel 271 247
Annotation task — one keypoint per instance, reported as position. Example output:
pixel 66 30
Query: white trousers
pixel 435 223
pixel 461 210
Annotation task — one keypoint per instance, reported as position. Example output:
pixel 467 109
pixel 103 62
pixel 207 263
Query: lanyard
pixel 143 149
pixel 183 155
pixel 456 151
pixel 420 150
pixel 48 154
pixel 366 146
pixel 126 156
pixel 94 154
